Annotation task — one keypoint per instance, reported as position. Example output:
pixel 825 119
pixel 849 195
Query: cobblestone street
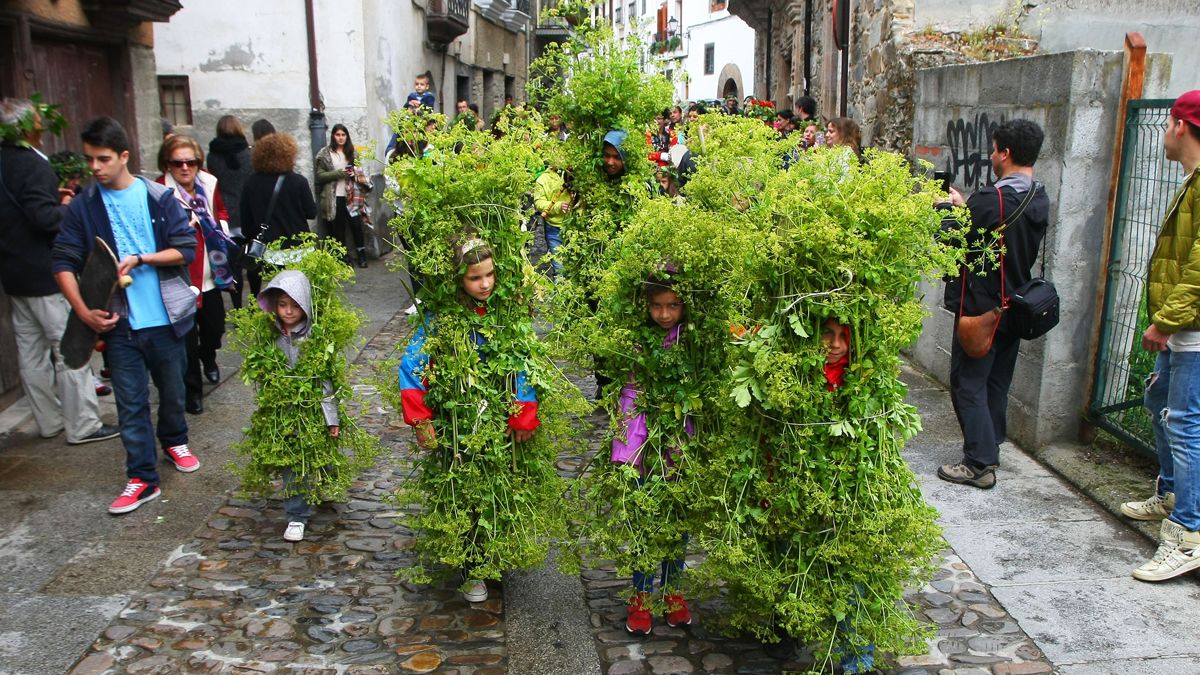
pixel 238 599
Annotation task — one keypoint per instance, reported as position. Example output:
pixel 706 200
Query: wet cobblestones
pixel 238 599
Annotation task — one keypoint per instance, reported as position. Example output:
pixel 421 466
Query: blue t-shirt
pixel 129 214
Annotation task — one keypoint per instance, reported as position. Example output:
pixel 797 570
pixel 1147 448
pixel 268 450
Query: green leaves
pixel 288 428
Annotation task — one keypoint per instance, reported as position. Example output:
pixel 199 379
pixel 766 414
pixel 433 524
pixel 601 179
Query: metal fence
pixel 1144 190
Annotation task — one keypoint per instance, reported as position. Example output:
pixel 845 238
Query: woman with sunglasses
pixel 342 188
pixel 196 190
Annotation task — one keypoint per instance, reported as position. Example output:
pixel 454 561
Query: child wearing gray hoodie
pixel 289 298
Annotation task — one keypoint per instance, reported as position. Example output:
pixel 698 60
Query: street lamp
pixel 672 27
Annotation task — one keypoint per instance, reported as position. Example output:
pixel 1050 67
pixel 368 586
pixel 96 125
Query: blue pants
pixel 136 357
pixel 1173 399
pixel 553 242
pixel 296 506
pixel 671 571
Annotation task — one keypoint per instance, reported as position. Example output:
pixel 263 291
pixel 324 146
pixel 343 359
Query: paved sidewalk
pixel 1035 578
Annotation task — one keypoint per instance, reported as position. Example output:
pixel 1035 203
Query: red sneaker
pixel 678 613
pixel 136 493
pixel 638 620
pixel 182 458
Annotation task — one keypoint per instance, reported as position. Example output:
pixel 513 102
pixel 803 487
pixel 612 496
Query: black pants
pixel 204 340
pixel 979 392
pixel 342 219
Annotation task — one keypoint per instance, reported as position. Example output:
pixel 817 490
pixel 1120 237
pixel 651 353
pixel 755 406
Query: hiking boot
pixel 182 458
pixel 136 493
pixel 1179 553
pixel 294 531
pixel 362 258
pixel 1155 508
pixel 678 613
pixel 964 474
pixel 638 621
pixel 476 591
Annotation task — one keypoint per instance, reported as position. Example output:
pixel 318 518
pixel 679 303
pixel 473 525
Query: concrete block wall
pixel 1074 97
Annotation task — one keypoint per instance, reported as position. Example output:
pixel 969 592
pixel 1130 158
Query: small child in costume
pixel 289 298
pixel 476 286
pixel 666 310
pixel 835 336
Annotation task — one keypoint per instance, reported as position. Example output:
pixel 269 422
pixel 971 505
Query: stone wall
pixel 1074 97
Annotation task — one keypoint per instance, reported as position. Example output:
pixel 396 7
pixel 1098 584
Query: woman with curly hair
pixel 273 160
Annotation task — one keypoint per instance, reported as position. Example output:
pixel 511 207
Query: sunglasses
pixel 180 163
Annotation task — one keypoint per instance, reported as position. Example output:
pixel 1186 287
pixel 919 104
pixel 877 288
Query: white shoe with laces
pixel 294 531
pixel 476 591
pixel 1179 553
pixel 1155 508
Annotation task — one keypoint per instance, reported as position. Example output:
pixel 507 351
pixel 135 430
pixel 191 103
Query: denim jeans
pixel 553 242
pixel 671 571
pixel 1173 399
pixel 295 506
pixel 136 357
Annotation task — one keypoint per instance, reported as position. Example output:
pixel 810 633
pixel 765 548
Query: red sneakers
pixel 136 493
pixel 182 458
pixel 638 620
pixel 678 613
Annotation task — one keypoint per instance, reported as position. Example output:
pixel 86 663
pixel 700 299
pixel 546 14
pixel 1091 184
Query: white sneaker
pixel 1155 508
pixel 412 309
pixel 294 531
pixel 1178 554
pixel 476 591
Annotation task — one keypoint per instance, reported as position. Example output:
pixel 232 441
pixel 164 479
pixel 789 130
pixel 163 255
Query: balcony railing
pixel 447 19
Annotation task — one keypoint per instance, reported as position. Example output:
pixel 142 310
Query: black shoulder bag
pixel 256 247
pixel 1033 307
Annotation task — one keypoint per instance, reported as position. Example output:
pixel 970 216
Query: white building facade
pixel 253 60
pixel 706 51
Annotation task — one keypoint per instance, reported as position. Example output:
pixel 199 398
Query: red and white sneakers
pixel 182 458
pixel 637 620
pixel 136 493
pixel 678 613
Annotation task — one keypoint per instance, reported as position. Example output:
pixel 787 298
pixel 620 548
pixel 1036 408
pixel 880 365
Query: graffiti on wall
pixel 971 149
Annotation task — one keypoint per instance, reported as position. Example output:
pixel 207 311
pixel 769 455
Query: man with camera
pixel 979 384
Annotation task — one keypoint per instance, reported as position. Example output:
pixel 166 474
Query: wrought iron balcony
pixel 447 19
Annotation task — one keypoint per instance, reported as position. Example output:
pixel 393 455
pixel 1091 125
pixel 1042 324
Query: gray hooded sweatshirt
pixel 296 286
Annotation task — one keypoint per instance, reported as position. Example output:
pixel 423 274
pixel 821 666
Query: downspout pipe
pixel 317 126
pixel 808 23
pixel 770 95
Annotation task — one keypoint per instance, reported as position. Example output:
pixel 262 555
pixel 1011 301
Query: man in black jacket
pixel 979 386
pixel 30 211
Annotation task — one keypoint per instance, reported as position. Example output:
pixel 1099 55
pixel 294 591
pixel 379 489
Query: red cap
pixel 1187 107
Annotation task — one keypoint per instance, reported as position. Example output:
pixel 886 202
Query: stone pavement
pixel 1035 577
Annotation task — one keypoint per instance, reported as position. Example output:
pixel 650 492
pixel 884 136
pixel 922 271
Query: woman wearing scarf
pixel 196 190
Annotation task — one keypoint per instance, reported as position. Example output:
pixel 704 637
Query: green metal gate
pixel 1144 190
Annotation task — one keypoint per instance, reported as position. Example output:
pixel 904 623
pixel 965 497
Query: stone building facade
pixel 889 40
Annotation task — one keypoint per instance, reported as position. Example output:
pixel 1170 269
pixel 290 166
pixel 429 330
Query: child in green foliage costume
pixel 292 352
pixel 491 495
pixel 654 462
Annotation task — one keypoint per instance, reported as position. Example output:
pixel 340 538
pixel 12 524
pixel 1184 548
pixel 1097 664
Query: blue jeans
pixel 671 570
pixel 135 357
pixel 295 506
pixel 553 242
pixel 1173 399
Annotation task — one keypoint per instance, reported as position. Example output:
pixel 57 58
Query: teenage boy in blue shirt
pixel 144 325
